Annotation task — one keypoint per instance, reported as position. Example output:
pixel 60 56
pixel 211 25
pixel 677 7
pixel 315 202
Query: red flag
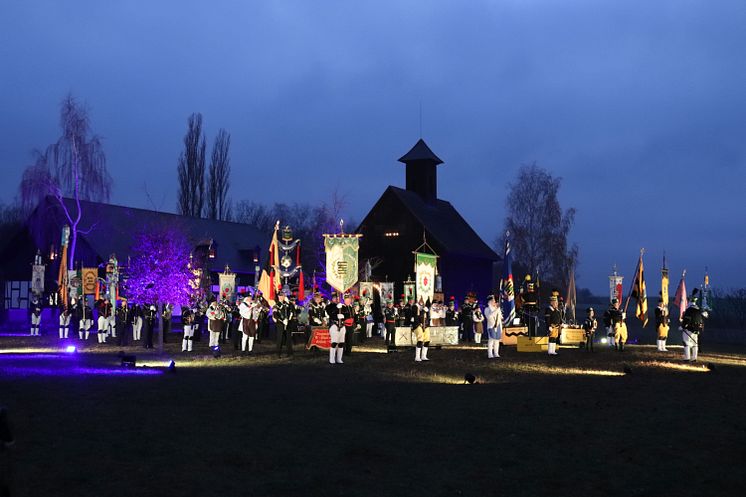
pixel 301 289
pixel 680 299
pixel 269 282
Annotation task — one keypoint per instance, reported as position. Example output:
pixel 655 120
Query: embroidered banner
pixel 341 260
pixel 426 266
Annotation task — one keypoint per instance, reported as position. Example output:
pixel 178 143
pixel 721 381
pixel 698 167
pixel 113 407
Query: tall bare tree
pixel 74 166
pixel 539 227
pixel 218 181
pixel 191 169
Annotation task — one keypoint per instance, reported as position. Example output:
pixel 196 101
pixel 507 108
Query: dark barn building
pixel 111 229
pixel 395 225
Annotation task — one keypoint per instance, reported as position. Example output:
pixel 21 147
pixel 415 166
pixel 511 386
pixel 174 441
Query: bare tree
pixel 538 226
pixel 74 166
pixel 191 169
pixel 218 181
pixel 36 183
pixel 254 214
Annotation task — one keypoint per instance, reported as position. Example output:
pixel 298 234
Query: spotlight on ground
pixel 627 369
pixel 469 379
pixel 172 367
pixel 128 361
pixel 71 349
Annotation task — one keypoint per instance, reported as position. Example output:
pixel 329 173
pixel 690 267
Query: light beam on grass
pixel 533 368
pixel 699 368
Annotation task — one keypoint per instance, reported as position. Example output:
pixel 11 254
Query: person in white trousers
pixel 64 322
pixel 493 315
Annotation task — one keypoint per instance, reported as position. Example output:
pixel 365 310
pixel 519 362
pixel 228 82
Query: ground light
pixel 71 349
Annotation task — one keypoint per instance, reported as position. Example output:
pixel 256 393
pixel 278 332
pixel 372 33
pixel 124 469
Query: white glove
pixel 285 322
pixel 426 309
pixel 411 320
pixel 317 320
pixel 624 315
pixel 340 316
pixel 339 306
pixel 705 314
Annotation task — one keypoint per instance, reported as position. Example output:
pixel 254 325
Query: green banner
pixel 426 267
pixel 341 260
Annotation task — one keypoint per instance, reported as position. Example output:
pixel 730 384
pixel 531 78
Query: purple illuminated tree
pixel 74 166
pixel 158 271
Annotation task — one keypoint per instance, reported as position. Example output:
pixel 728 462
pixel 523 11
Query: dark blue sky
pixel 640 106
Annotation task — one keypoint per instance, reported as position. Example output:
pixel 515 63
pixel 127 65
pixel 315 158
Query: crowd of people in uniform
pixel 350 319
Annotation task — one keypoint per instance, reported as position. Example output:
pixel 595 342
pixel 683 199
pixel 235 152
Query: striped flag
pixel 269 282
pixel 680 299
pixel 507 289
pixel 640 294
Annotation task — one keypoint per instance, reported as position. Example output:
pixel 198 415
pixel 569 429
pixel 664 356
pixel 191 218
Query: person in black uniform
pixel 452 315
pixel 349 322
pixel 296 310
pixel 390 316
pixel 589 328
pixel 361 321
pixel 335 326
pixel 35 313
pixel 529 305
pixel 467 322
pixel 614 318
pixel 692 324
pixel 282 313
pixel 553 319
pixel 342 318
pixel 235 314
pixel 420 327
pixel 187 321
pixel 123 318
pixel 263 321
pixel 317 311
pixel 662 320
pixel 149 322
pixel 400 320
pixel 85 318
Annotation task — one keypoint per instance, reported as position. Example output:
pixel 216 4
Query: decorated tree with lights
pixel 159 271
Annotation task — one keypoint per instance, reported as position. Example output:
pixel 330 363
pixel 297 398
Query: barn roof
pixel 443 224
pixel 113 228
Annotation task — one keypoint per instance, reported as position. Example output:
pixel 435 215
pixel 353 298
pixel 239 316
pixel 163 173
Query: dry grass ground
pixel 378 425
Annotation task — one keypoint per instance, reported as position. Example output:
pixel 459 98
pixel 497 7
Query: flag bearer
pixel 553 318
pixel 692 324
pixel 662 320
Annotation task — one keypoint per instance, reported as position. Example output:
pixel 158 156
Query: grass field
pixel 378 425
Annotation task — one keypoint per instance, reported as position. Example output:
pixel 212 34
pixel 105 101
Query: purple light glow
pixel 61 364
pixel 76 371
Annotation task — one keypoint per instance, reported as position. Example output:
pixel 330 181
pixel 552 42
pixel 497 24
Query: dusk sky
pixel 639 106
